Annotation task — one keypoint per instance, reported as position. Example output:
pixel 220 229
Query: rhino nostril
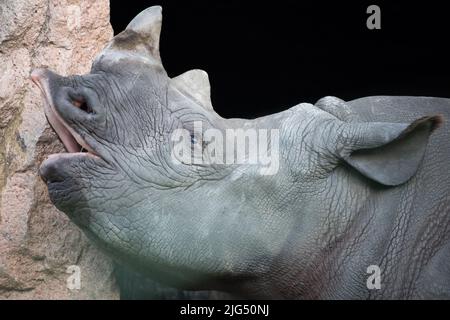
pixel 83 105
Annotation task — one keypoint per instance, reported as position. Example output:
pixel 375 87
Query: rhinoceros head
pixel 116 121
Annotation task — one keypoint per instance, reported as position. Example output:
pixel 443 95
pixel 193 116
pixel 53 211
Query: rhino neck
pixel 341 229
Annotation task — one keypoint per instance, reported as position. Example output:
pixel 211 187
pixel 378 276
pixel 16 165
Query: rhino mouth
pixel 75 145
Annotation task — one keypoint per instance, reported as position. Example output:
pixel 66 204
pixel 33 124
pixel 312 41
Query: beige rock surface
pixel 37 242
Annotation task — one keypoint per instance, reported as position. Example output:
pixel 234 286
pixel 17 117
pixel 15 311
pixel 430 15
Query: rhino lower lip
pixel 70 138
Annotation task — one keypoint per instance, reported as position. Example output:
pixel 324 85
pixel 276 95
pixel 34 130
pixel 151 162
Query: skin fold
pixel 359 183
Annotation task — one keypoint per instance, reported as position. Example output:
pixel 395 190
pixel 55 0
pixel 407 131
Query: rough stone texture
pixel 37 242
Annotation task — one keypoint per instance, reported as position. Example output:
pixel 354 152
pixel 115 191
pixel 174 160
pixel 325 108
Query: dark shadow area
pixel 134 286
pixel 264 58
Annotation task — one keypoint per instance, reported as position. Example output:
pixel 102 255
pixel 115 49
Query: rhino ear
pixel 388 153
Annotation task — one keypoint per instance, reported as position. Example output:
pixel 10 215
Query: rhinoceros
pixel 357 208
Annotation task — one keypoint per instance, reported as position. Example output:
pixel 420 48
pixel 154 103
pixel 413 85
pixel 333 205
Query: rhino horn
pixel 195 85
pixel 147 25
pixel 139 41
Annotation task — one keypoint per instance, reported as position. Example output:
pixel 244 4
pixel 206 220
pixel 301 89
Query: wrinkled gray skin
pixel 360 183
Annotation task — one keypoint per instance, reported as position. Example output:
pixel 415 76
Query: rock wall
pixel 37 242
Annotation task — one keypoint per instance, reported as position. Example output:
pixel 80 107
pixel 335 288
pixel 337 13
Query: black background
pixel 170 309
pixel 266 57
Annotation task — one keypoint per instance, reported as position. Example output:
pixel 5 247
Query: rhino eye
pixel 198 141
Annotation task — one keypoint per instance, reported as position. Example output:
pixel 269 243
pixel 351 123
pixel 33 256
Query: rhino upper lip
pixel 72 141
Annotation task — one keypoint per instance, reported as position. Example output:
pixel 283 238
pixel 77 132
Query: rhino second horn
pixel 195 84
